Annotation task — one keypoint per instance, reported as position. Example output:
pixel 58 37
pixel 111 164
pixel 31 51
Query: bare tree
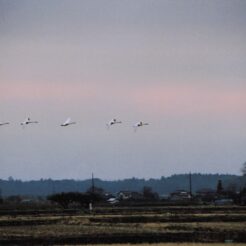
pixel 219 187
pixel 243 169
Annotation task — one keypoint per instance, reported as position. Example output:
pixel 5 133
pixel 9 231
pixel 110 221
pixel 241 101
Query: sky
pixel 179 65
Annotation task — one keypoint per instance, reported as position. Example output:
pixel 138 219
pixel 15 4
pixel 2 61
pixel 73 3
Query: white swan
pixel 28 121
pixel 68 122
pixel 4 123
pixel 113 122
pixel 139 124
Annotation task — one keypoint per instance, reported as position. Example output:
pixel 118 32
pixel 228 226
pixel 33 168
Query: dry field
pixel 116 227
pixel 173 244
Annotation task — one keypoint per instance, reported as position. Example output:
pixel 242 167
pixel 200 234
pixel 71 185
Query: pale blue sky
pixel 179 65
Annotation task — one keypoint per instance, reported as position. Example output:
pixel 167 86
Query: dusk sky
pixel 179 65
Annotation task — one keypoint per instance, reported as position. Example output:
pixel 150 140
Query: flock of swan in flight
pixel 68 122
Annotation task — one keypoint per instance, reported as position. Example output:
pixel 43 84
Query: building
pixel 180 195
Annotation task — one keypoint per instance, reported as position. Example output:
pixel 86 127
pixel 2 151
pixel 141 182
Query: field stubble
pixel 115 228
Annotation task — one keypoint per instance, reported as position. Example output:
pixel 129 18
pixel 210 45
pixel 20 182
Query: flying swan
pixel 68 122
pixel 139 124
pixel 4 123
pixel 113 122
pixel 28 121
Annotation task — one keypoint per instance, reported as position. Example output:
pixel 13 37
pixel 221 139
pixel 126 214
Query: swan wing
pixel 68 120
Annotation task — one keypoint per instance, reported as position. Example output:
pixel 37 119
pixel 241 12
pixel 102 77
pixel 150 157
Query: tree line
pixel 164 185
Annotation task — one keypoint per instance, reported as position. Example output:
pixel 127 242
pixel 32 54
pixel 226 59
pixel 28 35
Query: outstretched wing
pixel 67 121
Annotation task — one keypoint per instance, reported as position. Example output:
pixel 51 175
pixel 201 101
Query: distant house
pixel 124 195
pixel 129 195
pixel 164 196
pixel 205 192
pixel 26 201
pixel 180 195
pixel 226 201
pixel 206 195
pixel 112 200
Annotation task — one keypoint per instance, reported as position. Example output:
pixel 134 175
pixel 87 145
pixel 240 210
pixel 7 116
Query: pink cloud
pixel 43 92
pixel 178 99
pixel 158 99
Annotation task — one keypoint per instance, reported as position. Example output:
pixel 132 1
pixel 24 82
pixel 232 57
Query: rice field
pixel 170 228
pixel 174 244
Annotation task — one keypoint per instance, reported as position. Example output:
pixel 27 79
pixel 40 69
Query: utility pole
pixel 53 186
pixel 92 184
pixel 93 192
pixel 190 184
